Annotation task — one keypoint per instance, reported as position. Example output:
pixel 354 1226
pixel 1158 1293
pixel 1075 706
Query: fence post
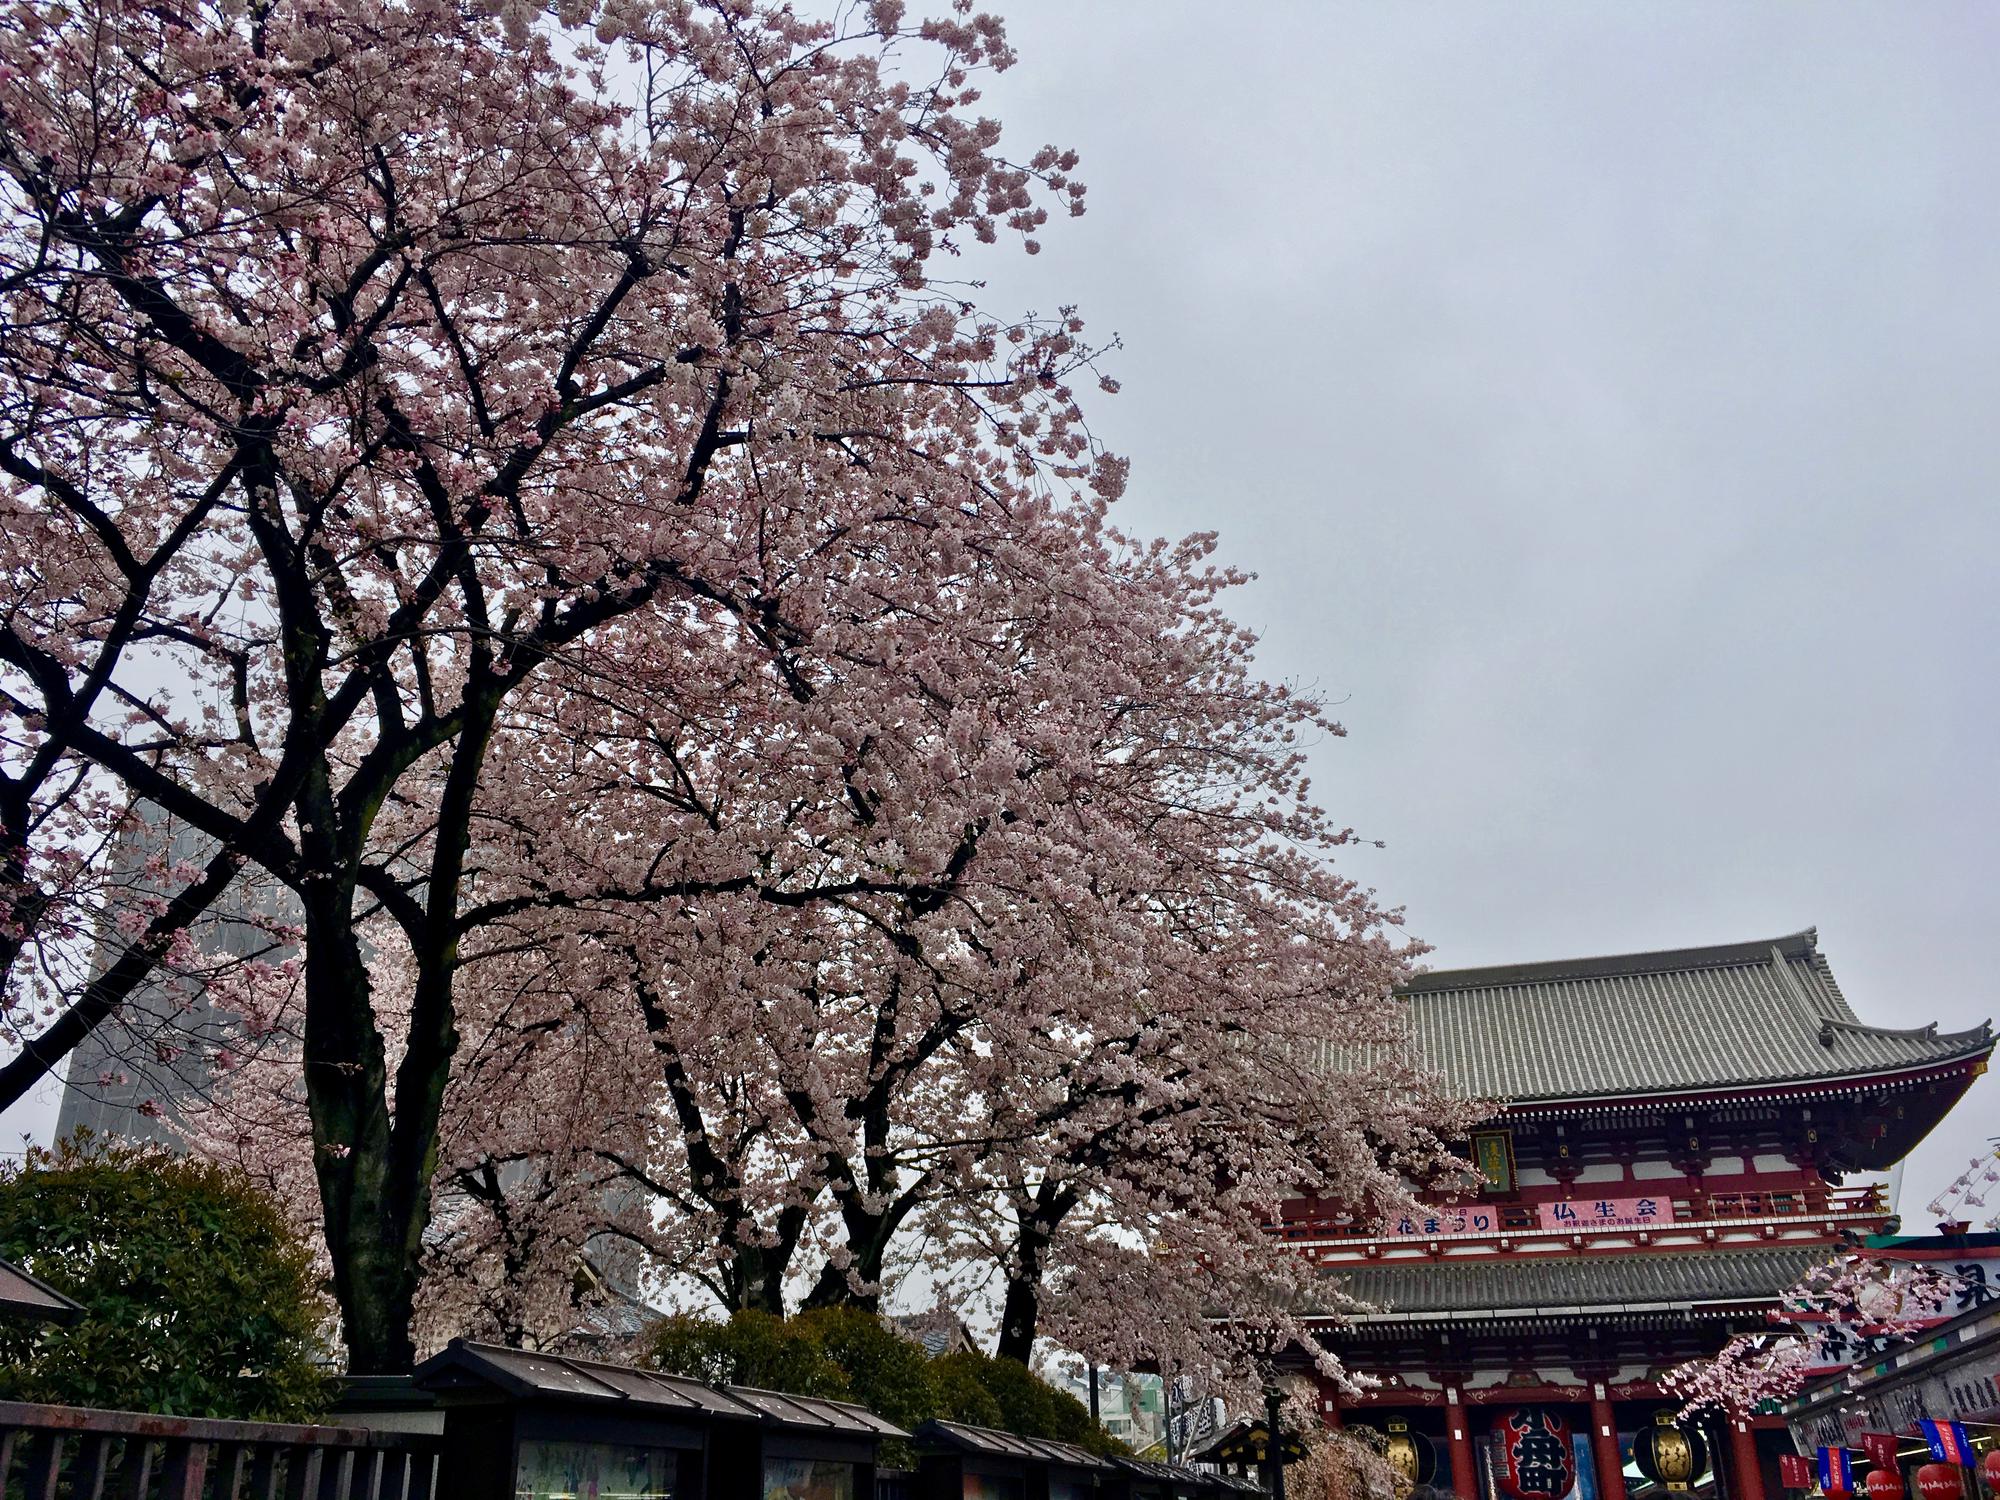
pixel 264 1472
pixel 302 1467
pixel 135 1474
pixel 93 1467
pixel 369 1468
pixel 45 1459
pixel 423 1476
pixel 230 1463
pixel 336 1474
pixel 184 1474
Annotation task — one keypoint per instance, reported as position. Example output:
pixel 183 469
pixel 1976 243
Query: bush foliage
pixel 845 1354
pixel 200 1300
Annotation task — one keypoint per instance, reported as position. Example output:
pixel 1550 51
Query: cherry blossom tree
pixel 529 1222
pixel 829 1069
pixel 1119 989
pixel 1340 1463
pixel 1851 1296
pixel 1132 1226
pixel 372 366
pixel 515 478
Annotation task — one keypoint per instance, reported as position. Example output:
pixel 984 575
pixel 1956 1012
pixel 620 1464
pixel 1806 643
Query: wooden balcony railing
pixel 1858 1200
pixel 47 1452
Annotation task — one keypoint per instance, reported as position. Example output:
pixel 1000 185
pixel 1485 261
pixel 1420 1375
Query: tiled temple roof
pixel 1671 1022
pixel 1524 1286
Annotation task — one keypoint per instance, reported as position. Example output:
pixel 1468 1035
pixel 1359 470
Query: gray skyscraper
pixel 135 1074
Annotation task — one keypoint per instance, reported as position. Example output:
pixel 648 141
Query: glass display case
pixel 553 1470
pixel 808 1479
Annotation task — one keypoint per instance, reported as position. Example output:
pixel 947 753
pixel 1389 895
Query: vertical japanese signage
pixel 1493 1154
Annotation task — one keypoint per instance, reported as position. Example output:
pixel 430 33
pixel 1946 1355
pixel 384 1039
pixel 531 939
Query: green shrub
pixel 886 1372
pixel 199 1298
pixel 962 1394
pixel 752 1348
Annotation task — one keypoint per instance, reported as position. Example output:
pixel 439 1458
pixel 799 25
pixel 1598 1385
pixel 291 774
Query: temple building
pixel 1674 1145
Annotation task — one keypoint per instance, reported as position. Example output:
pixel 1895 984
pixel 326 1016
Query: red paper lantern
pixel 1538 1461
pixel 1940 1482
pixel 1885 1484
pixel 1990 1467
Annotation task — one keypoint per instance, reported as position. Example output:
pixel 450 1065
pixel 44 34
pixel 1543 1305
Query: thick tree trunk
pixel 1037 1220
pixel 1019 1315
pixel 374 1276
pixel 755 1280
pixel 374 1170
pixel 868 1237
pixel 26 901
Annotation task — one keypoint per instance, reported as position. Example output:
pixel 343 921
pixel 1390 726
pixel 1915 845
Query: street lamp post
pixel 1273 1407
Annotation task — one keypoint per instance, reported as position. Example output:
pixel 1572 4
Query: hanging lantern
pixel 1940 1482
pixel 1410 1454
pixel 1670 1455
pixel 1537 1459
pixel 1990 1467
pixel 1885 1484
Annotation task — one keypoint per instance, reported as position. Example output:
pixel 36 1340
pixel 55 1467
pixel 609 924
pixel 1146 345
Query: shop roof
pixel 992 1443
pixel 803 1413
pixel 527 1376
pixel 25 1298
pixel 1147 1468
pixel 1182 1476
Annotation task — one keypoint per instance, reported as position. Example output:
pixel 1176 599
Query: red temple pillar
pixel 1744 1469
pixel 1604 1443
pixel 1464 1476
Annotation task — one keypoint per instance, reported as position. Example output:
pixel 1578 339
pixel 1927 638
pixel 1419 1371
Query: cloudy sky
pixel 1604 396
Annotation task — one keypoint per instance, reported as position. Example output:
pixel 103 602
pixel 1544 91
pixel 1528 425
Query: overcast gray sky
pixel 1604 394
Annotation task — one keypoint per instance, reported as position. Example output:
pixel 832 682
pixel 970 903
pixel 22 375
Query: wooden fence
pixel 69 1453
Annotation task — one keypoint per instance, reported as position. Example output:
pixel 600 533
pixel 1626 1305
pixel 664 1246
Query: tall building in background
pixel 149 1060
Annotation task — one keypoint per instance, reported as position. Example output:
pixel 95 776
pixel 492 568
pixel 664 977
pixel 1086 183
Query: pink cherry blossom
pixel 507 478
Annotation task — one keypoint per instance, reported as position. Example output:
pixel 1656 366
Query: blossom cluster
pixel 513 478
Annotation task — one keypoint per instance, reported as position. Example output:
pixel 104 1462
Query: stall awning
pixel 989 1442
pixel 25 1299
pixel 526 1376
